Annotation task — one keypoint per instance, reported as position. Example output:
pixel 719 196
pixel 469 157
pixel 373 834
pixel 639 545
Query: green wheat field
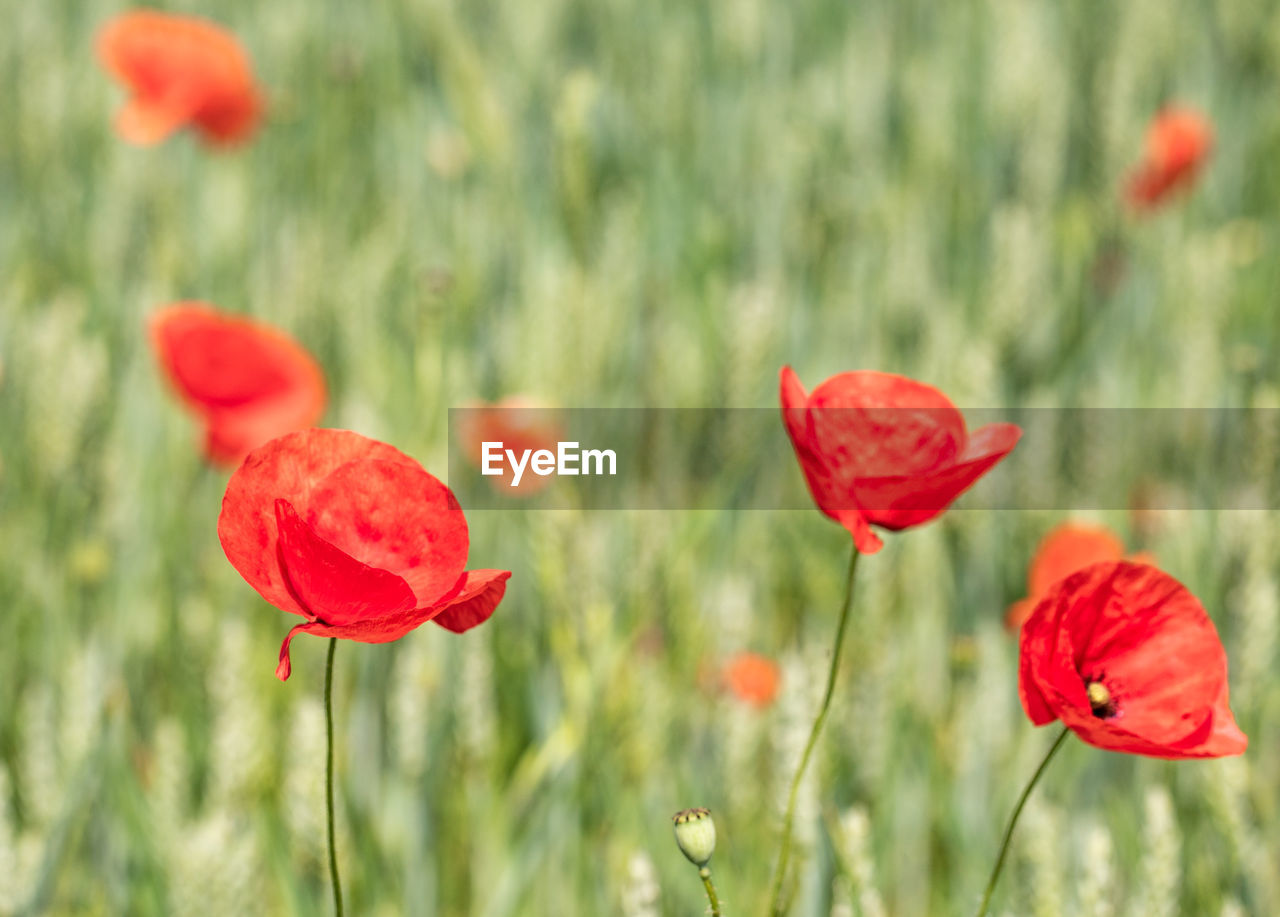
pixel 623 203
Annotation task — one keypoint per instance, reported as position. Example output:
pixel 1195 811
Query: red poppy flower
pixel 520 424
pixel 183 71
pixel 247 381
pixel 880 449
pixel 354 536
pixel 1070 547
pixel 753 679
pixel 1178 143
pixel 1127 658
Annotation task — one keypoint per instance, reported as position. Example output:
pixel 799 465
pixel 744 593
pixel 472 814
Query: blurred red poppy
pixel 519 424
pixel 1069 547
pixel 183 71
pixel 880 449
pixel 247 381
pixel 354 536
pixel 1178 143
pixel 1128 659
pixel 753 679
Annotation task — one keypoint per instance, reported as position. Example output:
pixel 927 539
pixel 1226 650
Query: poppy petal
pixel 247 381
pixel 333 586
pixel 284 667
pixel 284 468
pixel 1138 623
pixel 899 502
pixel 396 517
pixel 480 595
pixel 873 424
pixel 1070 547
pixel 1225 738
pixel 834 498
pixel 1033 648
pixel 148 122
pixel 376 630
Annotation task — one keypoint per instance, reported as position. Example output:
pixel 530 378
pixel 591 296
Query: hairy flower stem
pixel 328 777
pixel 1013 820
pixel 705 873
pixel 778 905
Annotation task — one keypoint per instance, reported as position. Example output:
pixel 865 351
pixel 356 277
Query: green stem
pixel 778 906
pixel 328 777
pixel 705 873
pixel 1013 820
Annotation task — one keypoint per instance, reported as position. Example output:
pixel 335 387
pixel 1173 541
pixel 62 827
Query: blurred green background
pixel 621 203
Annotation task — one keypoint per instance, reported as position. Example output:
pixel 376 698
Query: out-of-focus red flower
pixel 1070 547
pixel 354 536
pixel 1179 141
pixel 247 381
pixel 182 71
pixel 880 449
pixel 753 679
pixel 519 423
pixel 1127 658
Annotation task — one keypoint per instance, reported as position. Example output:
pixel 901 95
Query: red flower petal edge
pixel 1128 659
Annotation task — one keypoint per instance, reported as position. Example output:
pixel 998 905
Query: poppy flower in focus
pixel 247 381
pixel 1070 547
pixel 354 536
pixel 517 423
pixel 879 449
pixel 1128 659
pixel 753 679
pixel 1178 143
pixel 182 71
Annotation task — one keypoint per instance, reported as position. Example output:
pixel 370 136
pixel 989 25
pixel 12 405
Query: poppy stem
pixel 328 777
pixel 1013 820
pixel 705 873
pixel 778 906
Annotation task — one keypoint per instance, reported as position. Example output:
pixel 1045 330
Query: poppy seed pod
pixel 695 835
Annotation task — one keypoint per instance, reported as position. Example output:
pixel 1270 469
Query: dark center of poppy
pixel 1100 700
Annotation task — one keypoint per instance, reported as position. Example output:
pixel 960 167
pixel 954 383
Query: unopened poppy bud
pixel 696 835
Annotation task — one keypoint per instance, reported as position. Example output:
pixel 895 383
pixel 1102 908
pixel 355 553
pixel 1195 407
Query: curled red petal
pixel 475 603
pixel 284 667
pixel 333 586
